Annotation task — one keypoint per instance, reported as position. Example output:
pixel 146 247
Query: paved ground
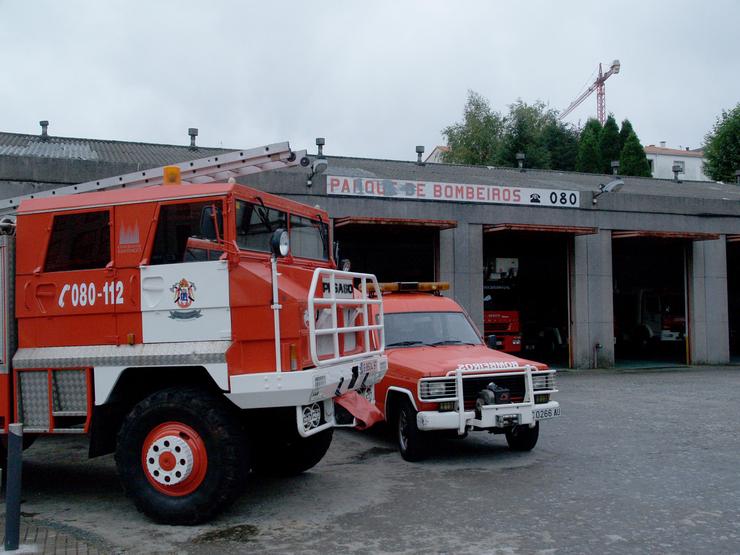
pixel 640 462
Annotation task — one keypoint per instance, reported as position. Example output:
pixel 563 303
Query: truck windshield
pixel 410 329
pixel 255 225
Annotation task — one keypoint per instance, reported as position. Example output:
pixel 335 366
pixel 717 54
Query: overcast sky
pixel 374 78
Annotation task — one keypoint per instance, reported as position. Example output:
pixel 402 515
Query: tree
pixel 722 151
pixel 589 154
pixel 624 132
pixel 562 144
pixel 477 139
pixel 524 132
pixel 609 143
pixel 633 160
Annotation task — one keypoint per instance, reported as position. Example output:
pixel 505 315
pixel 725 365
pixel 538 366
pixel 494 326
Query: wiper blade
pixel 452 342
pixel 405 343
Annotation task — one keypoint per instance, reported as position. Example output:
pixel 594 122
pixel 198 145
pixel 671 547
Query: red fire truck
pixel 443 379
pixel 501 316
pixel 196 327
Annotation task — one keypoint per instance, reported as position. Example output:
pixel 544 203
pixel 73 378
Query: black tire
pixel 291 454
pixel 412 442
pixel 523 438
pixel 213 434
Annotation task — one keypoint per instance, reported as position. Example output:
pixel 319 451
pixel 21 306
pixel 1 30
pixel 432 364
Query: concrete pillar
pixel 592 301
pixel 709 330
pixel 461 263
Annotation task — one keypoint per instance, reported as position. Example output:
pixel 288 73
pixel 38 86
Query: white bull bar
pixel 331 299
pixel 492 415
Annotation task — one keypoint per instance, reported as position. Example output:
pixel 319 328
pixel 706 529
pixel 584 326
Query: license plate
pixel 542 414
pixel 369 365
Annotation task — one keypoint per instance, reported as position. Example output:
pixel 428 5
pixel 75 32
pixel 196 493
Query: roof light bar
pixel 396 286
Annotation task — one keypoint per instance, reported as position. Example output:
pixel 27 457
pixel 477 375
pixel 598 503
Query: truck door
pixel 185 296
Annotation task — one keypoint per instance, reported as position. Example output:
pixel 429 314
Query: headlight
pixel 438 389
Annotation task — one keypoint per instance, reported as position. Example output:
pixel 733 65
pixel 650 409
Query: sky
pixel 374 78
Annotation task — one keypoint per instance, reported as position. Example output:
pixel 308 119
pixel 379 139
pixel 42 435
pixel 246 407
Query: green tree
pixel 633 160
pixel 592 126
pixel 624 132
pixel 562 144
pixel 477 138
pixel 589 154
pixel 524 128
pixel 722 151
pixel 609 144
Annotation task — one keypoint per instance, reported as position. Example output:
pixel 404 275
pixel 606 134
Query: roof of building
pixel 95 150
pixel 652 149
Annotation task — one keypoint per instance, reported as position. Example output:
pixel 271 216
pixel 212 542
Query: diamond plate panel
pixel 147 354
pixel 70 390
pixel 34 399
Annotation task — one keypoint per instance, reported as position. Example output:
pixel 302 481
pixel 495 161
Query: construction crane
pixel 597 86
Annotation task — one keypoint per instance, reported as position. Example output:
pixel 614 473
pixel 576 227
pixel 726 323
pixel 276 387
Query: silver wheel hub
pixel 169 460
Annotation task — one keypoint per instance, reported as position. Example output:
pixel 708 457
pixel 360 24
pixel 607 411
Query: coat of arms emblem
pixel 184 292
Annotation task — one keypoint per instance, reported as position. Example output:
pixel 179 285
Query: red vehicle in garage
pixel 442 377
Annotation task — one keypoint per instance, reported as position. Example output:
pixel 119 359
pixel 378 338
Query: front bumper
pixel 492 416
pixel 304 387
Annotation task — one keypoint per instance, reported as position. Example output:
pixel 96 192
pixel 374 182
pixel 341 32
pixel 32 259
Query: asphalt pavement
pixel 640 462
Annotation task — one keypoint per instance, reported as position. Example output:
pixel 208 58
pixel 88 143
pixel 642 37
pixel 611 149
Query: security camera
pixel 305 161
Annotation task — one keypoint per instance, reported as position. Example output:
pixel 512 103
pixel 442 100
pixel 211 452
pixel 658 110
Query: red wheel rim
pixel 174 459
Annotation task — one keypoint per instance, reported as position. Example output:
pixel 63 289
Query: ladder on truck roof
pixel 203 170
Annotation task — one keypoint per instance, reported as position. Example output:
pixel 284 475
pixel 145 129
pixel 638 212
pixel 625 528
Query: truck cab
pixel 443 378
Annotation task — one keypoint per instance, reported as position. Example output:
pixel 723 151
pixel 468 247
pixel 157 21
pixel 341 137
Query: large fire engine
pixel 196 327
pixel 443 379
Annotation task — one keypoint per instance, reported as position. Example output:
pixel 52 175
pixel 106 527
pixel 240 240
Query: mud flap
pixel 366 413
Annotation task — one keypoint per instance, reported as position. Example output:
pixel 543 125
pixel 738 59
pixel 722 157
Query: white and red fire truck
pixel 196 327
pixel 442 378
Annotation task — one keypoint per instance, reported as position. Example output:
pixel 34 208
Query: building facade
pixel 662 160
pixel 650 271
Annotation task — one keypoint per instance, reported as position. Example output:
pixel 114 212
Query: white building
pixel 662 160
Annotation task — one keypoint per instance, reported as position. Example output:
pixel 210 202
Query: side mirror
pixel 491 341
pixel 280 243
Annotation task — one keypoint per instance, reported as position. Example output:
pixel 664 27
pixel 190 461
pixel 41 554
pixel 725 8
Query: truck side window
pixel 309 238
pixel 79 242
pixel 255 225
pixel 183 230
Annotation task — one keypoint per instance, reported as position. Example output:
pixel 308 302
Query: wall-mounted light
pixel 615 167
pixel 611 187
pixel 419 152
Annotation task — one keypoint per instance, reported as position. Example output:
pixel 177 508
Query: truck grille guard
pixel 543 379
pixel 329 299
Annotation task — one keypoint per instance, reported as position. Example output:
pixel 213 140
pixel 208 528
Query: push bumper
pixel 492 416
pixel 304 387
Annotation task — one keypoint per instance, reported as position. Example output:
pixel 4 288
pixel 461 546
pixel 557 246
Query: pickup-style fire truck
pixel 442 377
pixel 196 327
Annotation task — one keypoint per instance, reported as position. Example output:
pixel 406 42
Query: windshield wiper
pixel 405 343
pixel 452 342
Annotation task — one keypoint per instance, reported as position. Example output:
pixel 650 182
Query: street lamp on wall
pixel 615 167
pixel 611 187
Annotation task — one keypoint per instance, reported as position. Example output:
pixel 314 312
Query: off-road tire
pixel 224 450
pixel 290 454
pixel 523 438
pixel 412 442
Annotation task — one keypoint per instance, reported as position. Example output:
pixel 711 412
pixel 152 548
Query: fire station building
pixel 577 270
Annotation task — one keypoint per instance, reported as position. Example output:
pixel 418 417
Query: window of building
pixel 255 225
pixel 79 242
pixel 186 231
pixel 309 238
pixel 680 164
